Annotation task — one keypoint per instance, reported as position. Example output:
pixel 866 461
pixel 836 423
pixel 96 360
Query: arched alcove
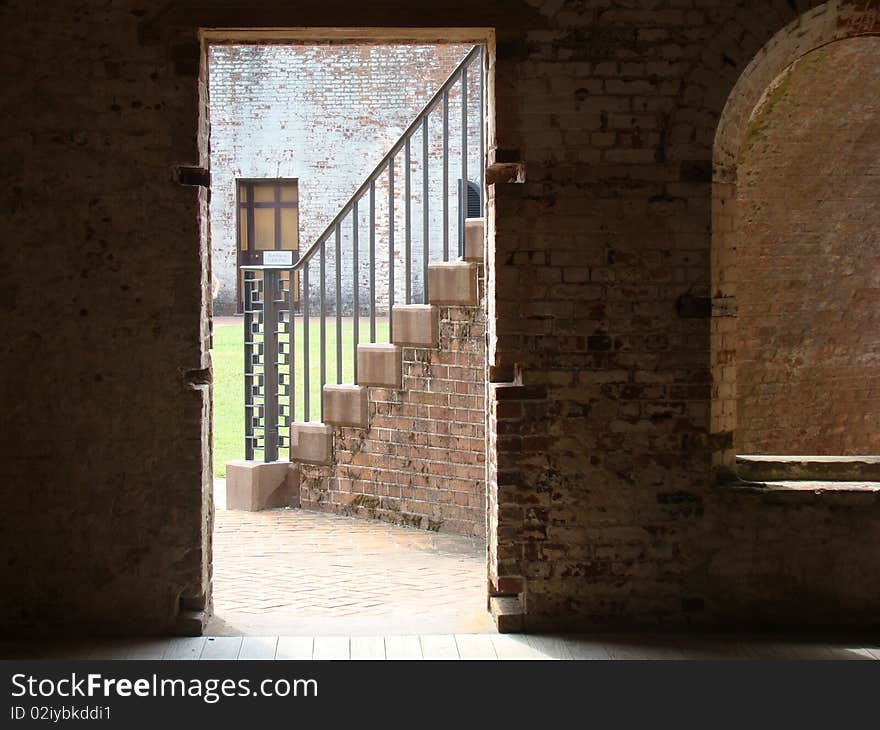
pixel 795 265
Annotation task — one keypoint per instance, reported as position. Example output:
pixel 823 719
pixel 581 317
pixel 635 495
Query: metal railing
pixel 280 301
pixel 453 118
pixel 267 364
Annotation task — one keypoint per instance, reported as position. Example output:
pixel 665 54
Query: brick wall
pixel 808 257
pixel 326 115
pixel 422 461
pixel 598 280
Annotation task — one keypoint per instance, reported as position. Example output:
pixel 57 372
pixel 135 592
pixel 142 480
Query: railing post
pixel 446 175
pixel 251 324
pixel 266 300
pixel 356 284
pixel 482 131
pixel 390 246
pixel 322 331
pixel 372 262
pixel 306 327
pixel 270 365
pixel 338 306
pixel 426 222
pixel 463 192
pixel 407 207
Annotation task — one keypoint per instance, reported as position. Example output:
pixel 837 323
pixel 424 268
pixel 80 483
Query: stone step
pixel 256 485
pixel 454 282
pixel 346 405
pixel 415 325
pixel 311 442
pixel 474 239
pixel 768 468
pixel 380 365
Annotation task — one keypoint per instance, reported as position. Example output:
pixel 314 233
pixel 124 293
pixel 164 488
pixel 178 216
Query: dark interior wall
pixel 105 454
pixel 606 512
pixel 808 250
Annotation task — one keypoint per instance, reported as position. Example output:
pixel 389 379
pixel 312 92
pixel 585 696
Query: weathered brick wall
pixel 610 515
pixel 326 115
pixel 808 256
pixel 601 285
pixel 106 468
pixel 422 461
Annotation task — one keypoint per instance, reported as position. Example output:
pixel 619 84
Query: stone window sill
pixel 807 474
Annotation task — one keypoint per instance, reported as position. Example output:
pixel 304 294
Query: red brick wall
pixel 611 515
pixel 422 461
pixel 808 259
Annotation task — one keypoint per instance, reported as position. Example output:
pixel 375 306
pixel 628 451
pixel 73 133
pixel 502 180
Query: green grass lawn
pixel 228 361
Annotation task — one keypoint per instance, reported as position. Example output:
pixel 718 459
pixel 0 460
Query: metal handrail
pixel 380 168
pixel 265 381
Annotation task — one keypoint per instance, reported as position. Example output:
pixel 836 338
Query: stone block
pixel 453 283
pixel 380 365
pixel 474 239
pixel 507 613
pixel 311 443
pixel 346 405
pixel 256 485
pixel 415 325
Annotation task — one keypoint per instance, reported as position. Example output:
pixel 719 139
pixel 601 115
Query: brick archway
pixel 824 25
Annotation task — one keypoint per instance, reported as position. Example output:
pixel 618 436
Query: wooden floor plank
pixel 296 648
pixel 513 646
pixel 651 647
pixel 475 647
pixel 586 648
pixel 221 647
pixel 438 646
pixel 109 649
pixel 258 647
pixel 332 648
pixel 550 647
pixel 367 647
pixel 403 647
pixel 189 647
pixel 148 649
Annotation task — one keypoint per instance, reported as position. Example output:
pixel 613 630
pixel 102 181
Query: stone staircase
pixel 405 442
pixel 349 409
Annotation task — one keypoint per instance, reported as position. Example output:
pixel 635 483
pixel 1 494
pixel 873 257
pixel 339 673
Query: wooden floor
pixel 447 646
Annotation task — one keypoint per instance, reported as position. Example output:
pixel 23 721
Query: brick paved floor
pixel 297 572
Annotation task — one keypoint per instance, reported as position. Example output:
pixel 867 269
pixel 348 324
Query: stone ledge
pixel 804 487
pixel 821 469
pixel 415 325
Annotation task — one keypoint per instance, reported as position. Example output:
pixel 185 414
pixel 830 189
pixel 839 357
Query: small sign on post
pixel 277 258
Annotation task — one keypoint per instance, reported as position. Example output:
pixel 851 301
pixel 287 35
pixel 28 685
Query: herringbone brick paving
pixel 300 572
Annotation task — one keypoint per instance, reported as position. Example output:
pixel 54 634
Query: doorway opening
pixel 347 239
